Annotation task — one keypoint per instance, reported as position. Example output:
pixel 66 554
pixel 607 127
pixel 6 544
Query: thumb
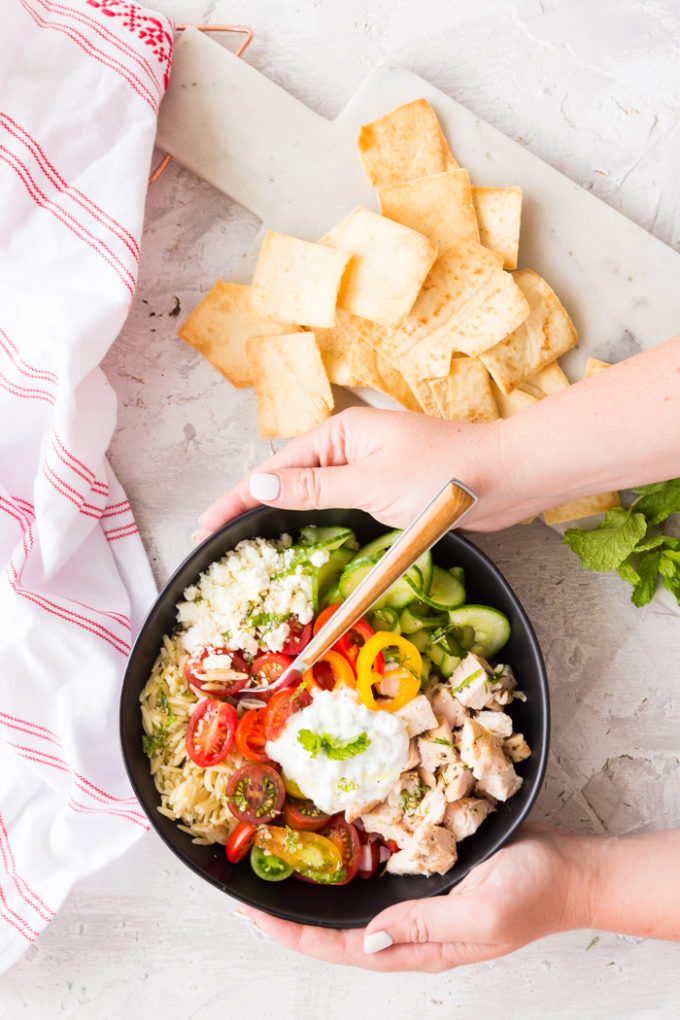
pixel 436 919
pixel 308 488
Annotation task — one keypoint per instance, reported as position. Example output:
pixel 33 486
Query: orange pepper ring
pixel 340 667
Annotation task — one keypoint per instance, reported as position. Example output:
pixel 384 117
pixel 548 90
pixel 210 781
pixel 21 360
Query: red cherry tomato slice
pixel 304 814
pixel 299 636
pixel 324 616
pixel 250 738
pixel 196 675
pixel 240 842
pixel 255 794
pixel 281 706
pixel 267 668
pixel 350 644
pixel 210 733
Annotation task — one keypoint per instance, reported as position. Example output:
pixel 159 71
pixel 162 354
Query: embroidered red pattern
pixel 150 30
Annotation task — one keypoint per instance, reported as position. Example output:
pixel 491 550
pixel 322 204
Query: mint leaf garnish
pixel 659 500
pixel 606 546
pixel 334 748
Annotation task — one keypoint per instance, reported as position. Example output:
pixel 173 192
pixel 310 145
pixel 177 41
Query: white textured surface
pixel 593 90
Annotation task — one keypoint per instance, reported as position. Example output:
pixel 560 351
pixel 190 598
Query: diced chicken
pixel 457 780
pixel 414 757
pixel 430 851
pixel 432 807
pixel 470 682
pixel 388 821
pixel 499 724
pixel 354 811
pixel 436 746
pixel 427 778
pixel 516 747
pixel 465 816
pixel 388 686
pixel 444 704
pixel 418 715
pixel 407 794
pixel 483 753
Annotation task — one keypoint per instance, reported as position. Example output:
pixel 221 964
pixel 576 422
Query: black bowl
pixel 352 905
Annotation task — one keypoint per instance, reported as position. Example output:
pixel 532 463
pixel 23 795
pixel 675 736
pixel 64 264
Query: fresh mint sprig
pixel 334 748
pixel 632 542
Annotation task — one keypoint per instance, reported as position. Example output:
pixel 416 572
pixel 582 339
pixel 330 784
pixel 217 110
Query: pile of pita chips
pixel 422 302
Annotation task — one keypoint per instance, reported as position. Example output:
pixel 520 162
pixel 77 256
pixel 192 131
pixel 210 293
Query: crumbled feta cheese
pixel 254 579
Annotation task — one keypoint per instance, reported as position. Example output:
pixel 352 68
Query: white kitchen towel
pixel 80 86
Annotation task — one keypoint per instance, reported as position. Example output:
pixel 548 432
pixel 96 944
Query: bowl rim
pixel 540 763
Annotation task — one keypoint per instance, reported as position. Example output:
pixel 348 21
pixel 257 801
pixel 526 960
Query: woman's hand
pixel 389 463
pixel 533 887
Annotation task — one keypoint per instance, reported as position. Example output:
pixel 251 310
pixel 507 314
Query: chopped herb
pixel 467 681
pixel 347 785
pixel 154 742
pixel 268 621
pixel 410 799
pixel 593 942
pixel 334 748
pixel 292 842
pixel 442 740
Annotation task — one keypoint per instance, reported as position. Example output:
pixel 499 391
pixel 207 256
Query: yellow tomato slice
pixel 307 852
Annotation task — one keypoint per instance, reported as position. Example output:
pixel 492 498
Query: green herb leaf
pixel 441 740
pixel 648 575
pixel 334 748
pixel 659 500
pixel 347 785
pixel 606 546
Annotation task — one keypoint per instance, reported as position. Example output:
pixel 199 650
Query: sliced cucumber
pixel 413 618
pixel 324 537
pixel 466 637
pixel 425 669
pixel 378 546
pixel 492 628
pixel 443 659
pixel 330 597
pixel 458 573
pixel 421 639
pixel 401 592
pixel 354 572
pixel 385 618
pixel 328 574
pixel 445 590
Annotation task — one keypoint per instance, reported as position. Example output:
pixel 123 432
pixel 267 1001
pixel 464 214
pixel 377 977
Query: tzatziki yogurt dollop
pixel 339 752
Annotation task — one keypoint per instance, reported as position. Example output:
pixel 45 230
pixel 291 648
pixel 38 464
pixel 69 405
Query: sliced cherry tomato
pixel 299 636
pixel 281 706
pixel 210 733
pixel 240 842
pixel 329 670
pixel 313 856
pixel 255 794
pixel 346 838
pixel 351 643
pixel 304 814
pixel 268 866
pixel 324 616
pixel 250 738
pixel 268 667
pixel 231 678
pixel 370 858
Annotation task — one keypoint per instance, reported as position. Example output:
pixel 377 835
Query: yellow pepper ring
pixel 408 675
pixel 340 668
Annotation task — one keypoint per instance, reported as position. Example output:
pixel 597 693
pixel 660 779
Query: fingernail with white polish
pixel 376 941
pixel 264 487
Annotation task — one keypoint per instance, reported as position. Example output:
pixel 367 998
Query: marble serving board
pixel 300 174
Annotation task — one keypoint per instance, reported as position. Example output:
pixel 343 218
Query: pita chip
pixel 545 334
pixel 396 385
pixel 593 366
pixel 406 143
pixel 509 404
pixel 221 326
pixel 295 281
pixel 549 380
pixel 289 401
pixel 499 211
pixel 466 304
pixel 388 266
pixel 470 396
pixel 439 206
